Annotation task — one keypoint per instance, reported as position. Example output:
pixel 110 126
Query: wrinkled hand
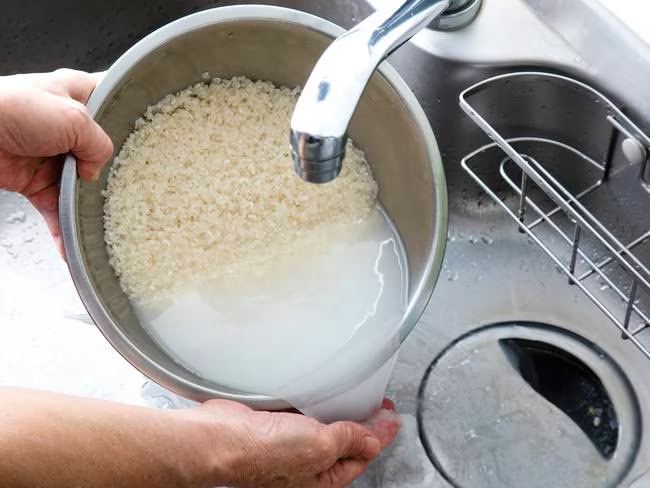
pixel 286 450
pixel 43 117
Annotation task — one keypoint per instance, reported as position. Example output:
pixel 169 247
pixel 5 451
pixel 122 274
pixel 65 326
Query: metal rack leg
pixel 522 200
pixel 630 307
pixel 613 140
pixel 574 253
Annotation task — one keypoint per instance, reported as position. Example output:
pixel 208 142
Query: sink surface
pixel 494 275
pixel 503 323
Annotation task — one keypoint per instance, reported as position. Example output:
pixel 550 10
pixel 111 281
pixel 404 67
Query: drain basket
pixel 606 258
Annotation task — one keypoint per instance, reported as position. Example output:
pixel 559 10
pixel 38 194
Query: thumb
pixel 77 84
pixel 89 143
pixel 353 441
pixel 384 424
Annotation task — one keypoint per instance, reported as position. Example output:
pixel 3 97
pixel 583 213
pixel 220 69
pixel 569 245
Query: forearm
pixel 54 440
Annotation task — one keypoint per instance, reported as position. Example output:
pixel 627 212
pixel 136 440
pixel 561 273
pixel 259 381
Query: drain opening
pixel 570 385
pixel 527 404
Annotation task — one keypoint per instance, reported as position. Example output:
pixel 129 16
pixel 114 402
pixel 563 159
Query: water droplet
pixel 604 287
pixel 487 239
pixel 16 217
pixel 452 276
pixel 6 243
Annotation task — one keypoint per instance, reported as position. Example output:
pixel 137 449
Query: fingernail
pixel 388 404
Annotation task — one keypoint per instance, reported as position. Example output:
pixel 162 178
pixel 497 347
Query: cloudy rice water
pixel 245 274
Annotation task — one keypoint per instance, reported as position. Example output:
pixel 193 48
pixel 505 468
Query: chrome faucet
pixel 320 120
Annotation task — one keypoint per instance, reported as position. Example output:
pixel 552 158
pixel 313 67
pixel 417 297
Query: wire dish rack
pixel 569 214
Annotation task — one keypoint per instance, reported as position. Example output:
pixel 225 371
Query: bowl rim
pixel 68 198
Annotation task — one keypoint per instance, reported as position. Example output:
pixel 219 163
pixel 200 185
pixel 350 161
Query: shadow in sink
pixel 523 404
pixel 570 385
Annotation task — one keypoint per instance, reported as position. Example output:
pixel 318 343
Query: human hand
pixel 72 441
pixel 285 450
pixel 43 117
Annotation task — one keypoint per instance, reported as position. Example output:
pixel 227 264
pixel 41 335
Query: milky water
pixel 305 330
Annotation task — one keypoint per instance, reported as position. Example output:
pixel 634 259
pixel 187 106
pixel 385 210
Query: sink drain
pixel 521 404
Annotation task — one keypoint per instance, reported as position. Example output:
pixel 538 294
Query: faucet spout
pixel 320 120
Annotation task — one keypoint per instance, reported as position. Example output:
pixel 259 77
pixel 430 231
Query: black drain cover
pixel 512 405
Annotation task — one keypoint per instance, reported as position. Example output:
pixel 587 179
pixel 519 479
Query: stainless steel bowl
pixel 282 46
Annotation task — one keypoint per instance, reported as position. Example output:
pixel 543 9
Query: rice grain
pixel 204 189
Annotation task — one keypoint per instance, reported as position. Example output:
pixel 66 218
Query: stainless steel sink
pixel 513 377
pixel 455 376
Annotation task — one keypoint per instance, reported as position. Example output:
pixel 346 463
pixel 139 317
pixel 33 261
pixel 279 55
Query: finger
pixel 342 473
pixel 46 174
pixel 88 141
pixel 43 192
pixel 351 440
pixel 46 201
pixel 98 76
pixel 384 424
pixel 290 410
pixel 77 84
pixel 17 171
pixel 388 404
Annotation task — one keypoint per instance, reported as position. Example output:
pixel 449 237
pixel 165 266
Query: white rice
pixel 204 188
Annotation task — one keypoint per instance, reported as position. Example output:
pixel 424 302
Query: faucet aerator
pixel 317 159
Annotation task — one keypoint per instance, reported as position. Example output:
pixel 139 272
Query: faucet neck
pixel 320 120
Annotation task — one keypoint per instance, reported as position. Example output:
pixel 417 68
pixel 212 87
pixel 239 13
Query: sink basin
pixel 513 377
pixel 496 278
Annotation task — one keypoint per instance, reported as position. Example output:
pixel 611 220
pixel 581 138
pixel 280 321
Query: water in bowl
pixel 300 330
